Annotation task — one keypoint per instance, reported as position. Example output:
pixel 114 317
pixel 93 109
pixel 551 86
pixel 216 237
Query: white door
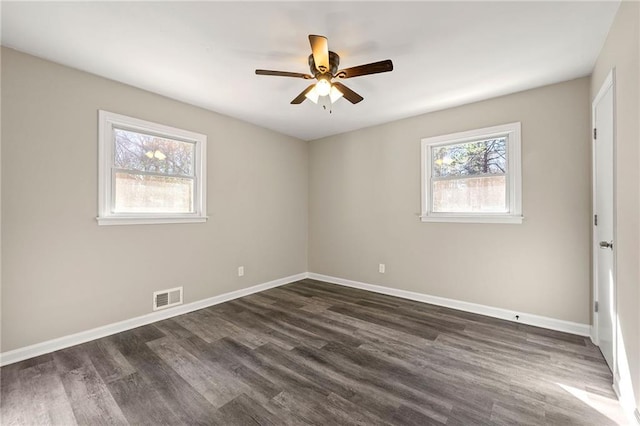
pixel 603 252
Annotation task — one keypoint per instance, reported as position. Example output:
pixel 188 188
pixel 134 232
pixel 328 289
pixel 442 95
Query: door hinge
pixel 595 306
pixel 595 133
pixel 595 220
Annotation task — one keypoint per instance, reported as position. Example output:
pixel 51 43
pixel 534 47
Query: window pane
pixel 469 195
pixel 470 158
pixel 153 194
pixel 148 153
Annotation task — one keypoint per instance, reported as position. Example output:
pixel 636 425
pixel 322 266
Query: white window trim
pixel 106 122
pixel 514 175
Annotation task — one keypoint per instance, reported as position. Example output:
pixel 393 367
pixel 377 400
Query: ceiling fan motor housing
pixel 334 63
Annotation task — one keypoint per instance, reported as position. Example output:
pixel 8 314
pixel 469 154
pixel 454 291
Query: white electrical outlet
pixel 382 268
pixel 240 271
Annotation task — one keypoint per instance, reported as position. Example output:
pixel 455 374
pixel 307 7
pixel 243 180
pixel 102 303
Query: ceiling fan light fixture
pixel 323 87
pixel 312 95
pixel 335 94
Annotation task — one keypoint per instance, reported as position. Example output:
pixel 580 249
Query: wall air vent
pixel 167 298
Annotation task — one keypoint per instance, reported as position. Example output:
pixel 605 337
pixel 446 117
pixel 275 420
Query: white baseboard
pixel 616 387
pixel 37 349
pixel 626 399
pixel 505 314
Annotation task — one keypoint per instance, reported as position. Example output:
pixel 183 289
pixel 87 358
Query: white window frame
pixel 514 175
pixel 107 121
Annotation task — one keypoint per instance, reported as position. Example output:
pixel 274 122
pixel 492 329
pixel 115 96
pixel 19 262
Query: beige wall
pixel 62 273
pixel 622 51
pixel 365 202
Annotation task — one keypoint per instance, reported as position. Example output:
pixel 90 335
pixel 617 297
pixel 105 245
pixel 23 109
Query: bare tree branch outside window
pixel 148 153
pixel 471 158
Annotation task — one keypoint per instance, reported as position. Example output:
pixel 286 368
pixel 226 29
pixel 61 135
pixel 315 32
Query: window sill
pixel 123 220
pixel 472 219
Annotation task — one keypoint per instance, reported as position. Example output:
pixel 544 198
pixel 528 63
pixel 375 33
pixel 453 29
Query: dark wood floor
pixel 316 353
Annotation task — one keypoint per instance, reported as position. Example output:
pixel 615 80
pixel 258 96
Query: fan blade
pixel 373 68
pixel 349 94
pixel 301 97
pixel 284 74
pixel 320 50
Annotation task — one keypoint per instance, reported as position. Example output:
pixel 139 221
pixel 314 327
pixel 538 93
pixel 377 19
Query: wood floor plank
pixel 90 399
pixel 108 360
pixel 300 365
pixel 243 410
pixel 171 327
pixel 372 333
pixel 71 358
pixel 388 391
pixel 212 355
pixel 308 321
pixel 216 385
pixel 279 295
pixel 47 400
pixel 250 321
pixel 350 412
pixel 280 375
pixel 396 323
pixel 408 416
pixel 307 406
pixel 184 401
pixel 317 353
pixel 377 399
pixel 140 402
pixel 13 401
pixel 196 323
pixel 295 334
pixel 247 336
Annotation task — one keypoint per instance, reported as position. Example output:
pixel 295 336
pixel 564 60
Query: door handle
pixel 606 245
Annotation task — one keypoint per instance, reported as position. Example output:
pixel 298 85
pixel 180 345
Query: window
pixel 473 176
pixel 149 173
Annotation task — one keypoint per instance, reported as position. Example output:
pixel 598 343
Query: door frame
pixel 609 82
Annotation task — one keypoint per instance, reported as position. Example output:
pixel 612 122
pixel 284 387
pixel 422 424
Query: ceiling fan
pixel 324 67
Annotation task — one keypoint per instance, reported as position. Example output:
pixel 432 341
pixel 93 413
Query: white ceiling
pixel 205 53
